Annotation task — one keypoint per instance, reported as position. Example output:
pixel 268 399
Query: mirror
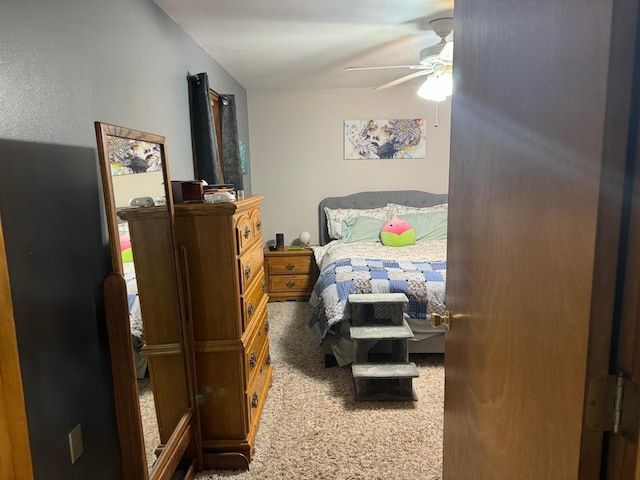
pixel 148 307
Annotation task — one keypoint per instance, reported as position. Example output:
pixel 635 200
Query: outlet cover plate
pixel 75 443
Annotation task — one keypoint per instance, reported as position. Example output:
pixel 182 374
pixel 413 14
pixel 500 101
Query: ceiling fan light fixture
pixel 446 55
pixel 442 26
pixel 437 87
pixel 430 54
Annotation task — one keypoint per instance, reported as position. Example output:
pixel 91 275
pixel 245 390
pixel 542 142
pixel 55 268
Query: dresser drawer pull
pixel 290 266
pixel 247 232
pixel 290 284
pixel 268 359
pixel 264 285
pixel 258 225
pixel 254 400
pixel 253 360
pixel 247 272
pixel 250 309
pixel 266 326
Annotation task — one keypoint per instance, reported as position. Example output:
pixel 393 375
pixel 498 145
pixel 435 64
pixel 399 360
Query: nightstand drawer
pixel 290 265
pixel 290 283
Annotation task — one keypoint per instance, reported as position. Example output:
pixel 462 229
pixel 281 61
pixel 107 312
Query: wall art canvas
pixel 128 155
pixel 379 139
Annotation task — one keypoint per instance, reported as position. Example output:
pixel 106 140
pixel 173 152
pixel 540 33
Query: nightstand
pixel 291 274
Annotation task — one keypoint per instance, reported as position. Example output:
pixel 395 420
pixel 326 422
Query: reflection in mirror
pixel 137 179
pixel 140 220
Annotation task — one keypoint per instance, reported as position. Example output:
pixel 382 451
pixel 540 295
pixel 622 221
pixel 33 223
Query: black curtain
pixel 230 142
pixel 205 144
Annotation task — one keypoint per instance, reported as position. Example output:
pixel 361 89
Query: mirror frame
pixel 184 438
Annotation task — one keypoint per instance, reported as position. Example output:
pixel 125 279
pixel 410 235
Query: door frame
pixel 15 451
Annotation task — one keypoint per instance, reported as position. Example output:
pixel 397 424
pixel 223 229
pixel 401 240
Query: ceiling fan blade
pixel 350 69
pixel 404 79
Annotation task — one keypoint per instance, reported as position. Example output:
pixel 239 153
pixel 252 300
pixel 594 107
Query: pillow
pixel 397 233
pixel 335 217
pixel 428 226
pixel 396 209
pixel 361 229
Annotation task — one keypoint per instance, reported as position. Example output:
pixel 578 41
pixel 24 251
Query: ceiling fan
pixel 436 63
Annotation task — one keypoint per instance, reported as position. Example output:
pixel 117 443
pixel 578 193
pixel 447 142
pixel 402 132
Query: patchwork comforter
pixel 418 271
pixel 135 317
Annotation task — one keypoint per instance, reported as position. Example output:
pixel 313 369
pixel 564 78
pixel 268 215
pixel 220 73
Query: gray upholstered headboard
pixel 413 198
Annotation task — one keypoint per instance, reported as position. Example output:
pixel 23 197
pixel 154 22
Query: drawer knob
pixel 290 284
pixel 253 360
pixel 259 225
pixel 250 309
pixel 254 400
pixel 247 232
pixel 289 266
pixel 268 359
pixel 247 272
pixel 264 285
pixel 266 326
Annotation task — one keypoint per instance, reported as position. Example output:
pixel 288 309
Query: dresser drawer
pixel 244 231
pixel 256 343
pixel 256 222
pixel 257 391
pixel 290 283
pixel 248 228
pixel 250 264
pixel 253 299
pixel 290 265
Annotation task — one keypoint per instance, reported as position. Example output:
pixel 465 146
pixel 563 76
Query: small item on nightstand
pixel 279 241
pixel 305 238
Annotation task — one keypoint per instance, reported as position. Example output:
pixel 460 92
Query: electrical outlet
pixel 75 443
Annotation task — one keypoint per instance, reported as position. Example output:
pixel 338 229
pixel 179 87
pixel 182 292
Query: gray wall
pixel 297 142
pixel 63 65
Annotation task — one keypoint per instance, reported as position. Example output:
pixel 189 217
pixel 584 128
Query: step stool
pixel 376 317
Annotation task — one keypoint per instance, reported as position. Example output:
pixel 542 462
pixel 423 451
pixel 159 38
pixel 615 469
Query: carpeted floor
pixel 149 420
pixel 311 428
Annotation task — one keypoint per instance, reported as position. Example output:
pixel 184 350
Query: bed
pixel 352 259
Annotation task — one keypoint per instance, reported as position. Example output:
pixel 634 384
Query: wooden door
pixel 540 121
pixel 15 453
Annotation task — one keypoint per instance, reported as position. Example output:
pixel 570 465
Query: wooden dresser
pixel 226 292
pixel 291 274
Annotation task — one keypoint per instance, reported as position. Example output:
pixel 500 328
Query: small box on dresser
pixel 291 274
pixel 222 243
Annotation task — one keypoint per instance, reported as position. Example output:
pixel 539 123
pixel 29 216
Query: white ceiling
pixel 289 44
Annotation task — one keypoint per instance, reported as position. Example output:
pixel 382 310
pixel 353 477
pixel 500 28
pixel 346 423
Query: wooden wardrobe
pixel 221 245
pixel 222 275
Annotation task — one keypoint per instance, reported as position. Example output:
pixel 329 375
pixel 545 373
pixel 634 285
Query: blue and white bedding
pixel 135 318
pixel 418 271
